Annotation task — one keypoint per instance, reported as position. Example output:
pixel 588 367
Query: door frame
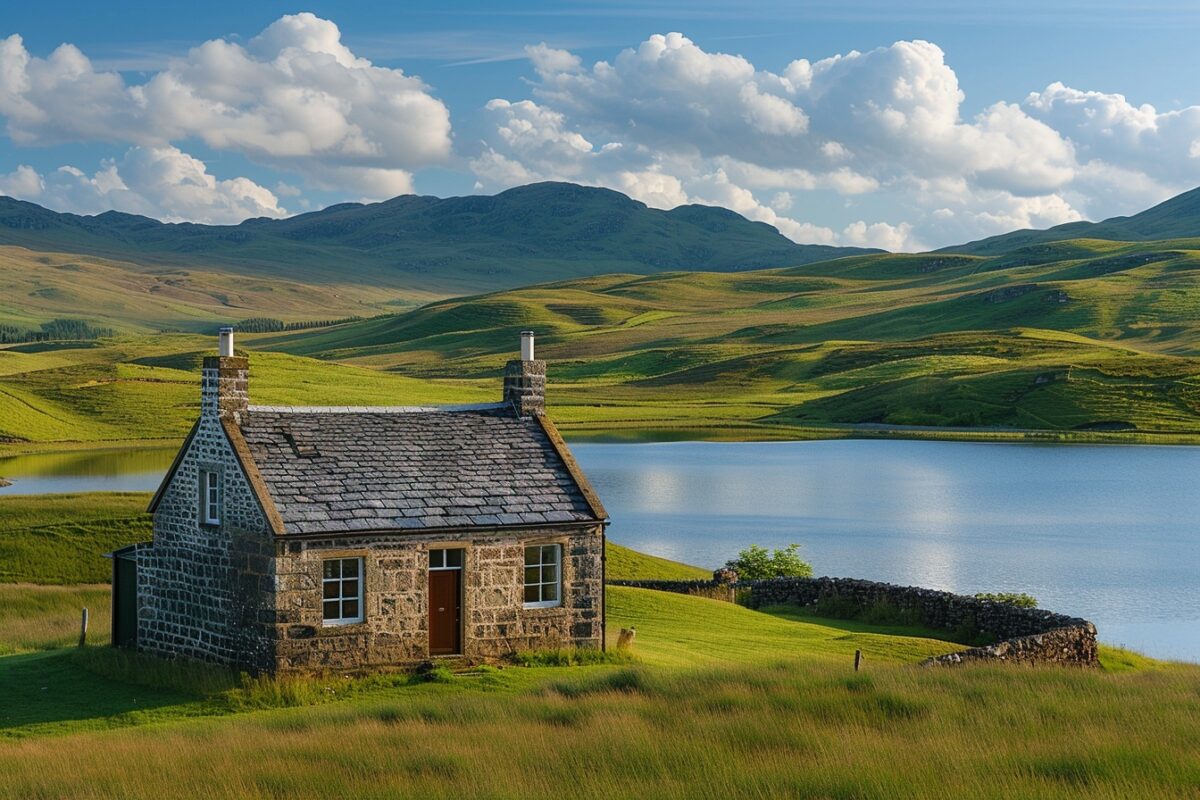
pixel 460 569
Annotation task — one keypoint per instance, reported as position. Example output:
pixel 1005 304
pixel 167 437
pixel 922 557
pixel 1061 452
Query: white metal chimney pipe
pixel 226 347
pixel 527 345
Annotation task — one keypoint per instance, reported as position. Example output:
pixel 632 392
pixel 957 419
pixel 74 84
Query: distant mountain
pixel 535 233
pixel 1177 218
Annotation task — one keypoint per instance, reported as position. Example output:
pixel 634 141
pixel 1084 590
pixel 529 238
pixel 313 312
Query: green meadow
pixel 716 699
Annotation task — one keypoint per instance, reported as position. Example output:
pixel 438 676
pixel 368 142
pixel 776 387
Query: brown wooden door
pixel 445 612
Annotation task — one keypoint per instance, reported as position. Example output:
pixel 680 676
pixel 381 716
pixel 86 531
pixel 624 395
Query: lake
pixel 1109 533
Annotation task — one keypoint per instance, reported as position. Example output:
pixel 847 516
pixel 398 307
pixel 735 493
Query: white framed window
pixel 210 497
pixel 543 575
pixel 440 559
pixel 342 591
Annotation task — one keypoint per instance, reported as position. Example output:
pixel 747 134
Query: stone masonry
pixel 205 591
pixel 395 627
pixel 525 386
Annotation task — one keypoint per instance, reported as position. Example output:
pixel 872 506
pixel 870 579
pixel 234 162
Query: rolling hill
pixel 413 244
pixel 1103 337
pixel 1176 218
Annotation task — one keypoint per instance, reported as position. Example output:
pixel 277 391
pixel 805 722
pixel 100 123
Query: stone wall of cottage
pixel 395 630
pixel 205 592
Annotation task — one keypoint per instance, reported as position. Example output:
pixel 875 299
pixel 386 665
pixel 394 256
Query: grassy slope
pixel 623 564
pixel 62 539
pixel 148 388
pixel 128 297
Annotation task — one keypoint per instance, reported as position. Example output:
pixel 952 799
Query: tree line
pixel 53 330
pixel 271 325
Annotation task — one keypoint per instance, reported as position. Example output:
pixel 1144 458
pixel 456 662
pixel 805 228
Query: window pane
pixel 331 609
pixel 350 588
pixel 531 594
pixel 533 555
pixel 454 558
pixel 549 591
pixel 349 609
pixel 550 554
pixel 436 558
pixel 333 569
pixel 331 590
pixel 533 575
pixel 349 567
pixel 550 573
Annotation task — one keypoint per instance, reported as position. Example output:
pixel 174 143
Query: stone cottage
pixel 297 539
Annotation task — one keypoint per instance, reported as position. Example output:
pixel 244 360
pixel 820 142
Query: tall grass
pixel 787 728
pixel 45 617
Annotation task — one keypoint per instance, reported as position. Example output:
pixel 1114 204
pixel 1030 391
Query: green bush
pixel 1018 599
pixel 756 563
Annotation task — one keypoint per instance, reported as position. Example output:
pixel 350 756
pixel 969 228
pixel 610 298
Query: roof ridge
pixel 376 409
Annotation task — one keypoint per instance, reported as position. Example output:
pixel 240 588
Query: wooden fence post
pixel 83 627
pixel 857 659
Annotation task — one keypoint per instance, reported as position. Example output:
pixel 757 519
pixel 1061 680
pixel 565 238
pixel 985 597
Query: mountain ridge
pixel 528 234
pixel 1177 217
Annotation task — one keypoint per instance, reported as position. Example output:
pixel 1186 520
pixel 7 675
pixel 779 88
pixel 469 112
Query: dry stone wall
pixel 1023 635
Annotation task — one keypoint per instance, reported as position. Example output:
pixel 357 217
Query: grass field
pixel 62 538
pixel 722 700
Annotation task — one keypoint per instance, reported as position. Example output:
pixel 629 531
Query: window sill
pixel 542 606
pixel 346 623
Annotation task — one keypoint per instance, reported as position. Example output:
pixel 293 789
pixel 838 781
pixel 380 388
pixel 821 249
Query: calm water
pixel 1108 533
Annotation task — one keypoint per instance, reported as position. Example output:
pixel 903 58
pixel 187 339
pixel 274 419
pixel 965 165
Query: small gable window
pixel 342 591
pixel 210 497
pixel 543 575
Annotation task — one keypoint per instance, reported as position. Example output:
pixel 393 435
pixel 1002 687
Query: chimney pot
pixel 225 349
pixel 527 345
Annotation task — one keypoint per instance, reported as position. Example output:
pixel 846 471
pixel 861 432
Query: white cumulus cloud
pixel 293 97
pixel 147 180
pixel 713 127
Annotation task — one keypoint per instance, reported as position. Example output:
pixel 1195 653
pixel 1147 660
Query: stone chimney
pixel 224 382
pixel 525 380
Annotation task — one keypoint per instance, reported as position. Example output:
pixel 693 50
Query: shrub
pixel 1018 599
pixel 756 563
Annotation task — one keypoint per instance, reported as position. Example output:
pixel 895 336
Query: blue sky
pixel 855 123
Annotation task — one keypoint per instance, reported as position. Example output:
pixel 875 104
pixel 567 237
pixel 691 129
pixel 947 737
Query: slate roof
pixel 330 470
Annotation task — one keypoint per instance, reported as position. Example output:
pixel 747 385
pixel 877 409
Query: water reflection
pixel 1110 533
pixel 138 470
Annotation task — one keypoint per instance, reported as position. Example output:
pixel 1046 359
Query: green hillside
pixel 1096 340
pixel 1086 336
pixel 413 246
